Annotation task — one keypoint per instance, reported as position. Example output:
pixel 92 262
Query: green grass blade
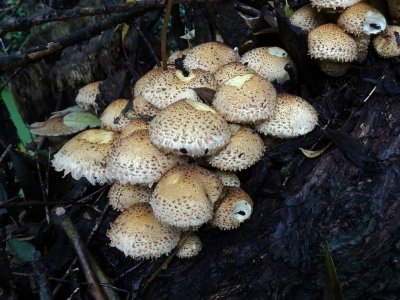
pixel 332 288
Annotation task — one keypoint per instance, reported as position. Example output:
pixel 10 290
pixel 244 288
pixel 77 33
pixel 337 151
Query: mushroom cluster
pixel 176 172
pixel 335 45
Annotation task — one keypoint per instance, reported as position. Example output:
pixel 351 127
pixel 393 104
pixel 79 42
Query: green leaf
pixel 332 288
pixel 314 153
pixel 81 120
pixel 21 249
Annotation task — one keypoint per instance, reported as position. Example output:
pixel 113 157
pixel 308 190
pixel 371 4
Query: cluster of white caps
pixel 176 171
pixel 340 31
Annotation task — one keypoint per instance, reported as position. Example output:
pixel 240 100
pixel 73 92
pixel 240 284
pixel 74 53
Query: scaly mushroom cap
pixel 85 155
pixel 189 128
pixel 123 196
pixel 145 79
pixel 307 18
pixel 245 148
pixel 171 86
pixel 209 57
pixel 185 196
pixel 136 160
pixel 134 125
pixel 362 42
pixel 86 97
pixel 330 42
pixel 144 108
pixel 229 71
pixel 190 248
pixel 394 8
pixel 176 55
pixel 228 178
pixel 362 18
pixel 112 117
pixel 294 117
pixel 234 209
pixel 333 68
pixel 246 99
pixel 268 62
pixel 137 233
pixel 334 4
pixel 386 44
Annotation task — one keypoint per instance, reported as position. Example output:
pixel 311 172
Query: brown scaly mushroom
pixel 333 4
pixel 307 18
pixel 113 119
pixel 386 43
pixel 190 248
pixel 123 196
pixel 87 95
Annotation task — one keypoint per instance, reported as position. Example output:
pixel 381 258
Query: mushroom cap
pixel 176 55
pixel 209 57
pixel 333 3
pixel 228 178
pixel 333 68
pixel 112 117
pixel 294 117
pixel 123 196
pixel 85 155
pixel 135 160
pixel 268 62
pixel 86 97
pixel 171 86
pixel 144 108
pixel 246 99
pixel 330 42
pixel 190 248
pixel 137 233
pixel 362 18
pixel 234 209
pixel 307 18
pixel 189 128
pixel 229 71
pixel 134 125
pixel 394 8
pixel 362 41
pixel 245 148
pixel 145 79
pixel 185 196
pixel 385 43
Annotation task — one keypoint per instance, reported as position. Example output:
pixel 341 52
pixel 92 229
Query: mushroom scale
pixel 334 4
pixel 86 97
pixel 191 247
pixel 123 196
pixel 307 18
pixel 112 117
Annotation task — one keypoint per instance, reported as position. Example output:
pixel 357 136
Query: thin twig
pixel 5 152
pixel 148 45
pixel 164 32
pixel 11 203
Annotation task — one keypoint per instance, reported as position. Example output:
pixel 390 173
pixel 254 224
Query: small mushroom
pixel 86 97
pixel 333 4
pixel 185 196
pixel 387 43
pixel 123 196
pixel 113 119
pixel 229 71
pixel 228 178
pixel 138 234
pixel 190 248
pixel 307 18
pixel 234 209
pixel 85 155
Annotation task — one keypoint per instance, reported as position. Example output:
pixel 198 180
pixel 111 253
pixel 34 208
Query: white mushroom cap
pixel 189 128
pixel 333 3
pixel 245 148
pixel 112 117
pixel 136 160
pixel 234 209
pixel 294 117
pixel 145 79
pixel 245 99
pixel 86 97
pixel 307 18
pixel 268 62
pixel 228 178
pixel 362 18
pixel 85 155
pixel 185 196
pixel 209 57
pixel 386 44
pixel 231 70
pixel 191 247
pixel 176 55
pixel 137 233
pixel 123 196
pixel 330 42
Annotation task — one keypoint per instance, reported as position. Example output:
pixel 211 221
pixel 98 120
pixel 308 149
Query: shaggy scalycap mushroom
pixel 386 43
pixel 334 4
pixel 229 71
pixel 85 155
pixel 294 117
pixel 136 160
pixel 86 97
pixel 234 209
pixel 134 125
pixel 190 248
pixel 185 196
pixel 123 196
pixel 137 233
pixel 268 62
pixel 228 178
pixel 330 42
pixel 362 18
pixel 362 41
pixel 113 119
pixel 245 148
pixel 307 18
pixel 144 108
pixel 245 99
pixel 189 128
pixel 145 79
pixel 209 57
pixel 176 55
